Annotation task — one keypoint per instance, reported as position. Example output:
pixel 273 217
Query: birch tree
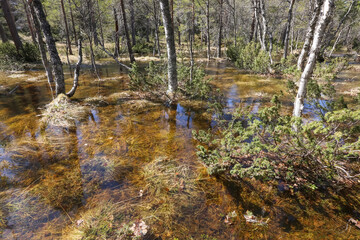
pixel 323 20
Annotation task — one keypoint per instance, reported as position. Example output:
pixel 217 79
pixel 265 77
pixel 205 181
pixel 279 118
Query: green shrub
pixel 142 47
pixel 28 54
pixel 249 57
pixel 265 146
pixel 154 78
pixel 98 53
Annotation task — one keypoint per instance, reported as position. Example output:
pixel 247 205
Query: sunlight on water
pixel 127 162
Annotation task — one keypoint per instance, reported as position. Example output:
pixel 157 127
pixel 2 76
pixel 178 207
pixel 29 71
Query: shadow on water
pixel 121 165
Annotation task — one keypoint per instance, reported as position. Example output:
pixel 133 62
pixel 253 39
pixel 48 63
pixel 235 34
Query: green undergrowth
pixel 11 59
pixel 271 146
pixel 154 79
pixel 249 56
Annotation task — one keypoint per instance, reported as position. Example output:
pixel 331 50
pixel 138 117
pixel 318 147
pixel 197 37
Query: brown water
pixel 122 165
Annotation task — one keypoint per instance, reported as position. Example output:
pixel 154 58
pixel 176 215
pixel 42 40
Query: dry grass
pixel 62 113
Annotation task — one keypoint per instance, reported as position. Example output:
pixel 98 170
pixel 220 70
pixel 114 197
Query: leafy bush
pixel 142 47
pixel 9 55
pixel 249 57
pixel 154 78
pixel 265 146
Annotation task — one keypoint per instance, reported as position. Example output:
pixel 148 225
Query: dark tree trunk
pixel 253 22
pixel 192 37
pixel 208 29
pixel 128 42
pixel 2 34
pixel 50 43
pixel 156 21
pixel 117 42
pixel 42 49
pixel 220 29
pixel 72 22
pixel 30 24
pixel 287 31
pixel 100 22
pixel 11 24
pixel 170 45
pixel 132 22
pixel 66 27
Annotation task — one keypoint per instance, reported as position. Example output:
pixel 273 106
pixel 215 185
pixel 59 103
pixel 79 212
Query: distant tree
pixel 11 24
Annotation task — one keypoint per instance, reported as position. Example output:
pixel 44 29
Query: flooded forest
pixel 179 119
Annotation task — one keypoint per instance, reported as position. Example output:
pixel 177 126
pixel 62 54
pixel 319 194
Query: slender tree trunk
pixel 253 22
pixel 315 48
pixel 264 27
pixel 309 36
pixel 170 45
pixel 132 22
pixel 192 37
pixel 2 34
pixel 42 49
pixel 100 22
pixel 117 43
pixel 11 24
pixel 28 18
pixel 128 42
pixel 66 27
pixel 220 29
pixel 179 32
pixel 327 42
pixel 156 21
pixel 208 28
pixel 50 43
pixel 235 23
pixel 76 72
pixel 288 27
pixel 72 22
pixel 335 43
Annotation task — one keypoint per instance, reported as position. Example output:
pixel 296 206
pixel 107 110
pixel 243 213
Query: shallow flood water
pixel 124 165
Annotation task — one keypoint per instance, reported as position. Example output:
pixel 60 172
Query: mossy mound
pixel 61 112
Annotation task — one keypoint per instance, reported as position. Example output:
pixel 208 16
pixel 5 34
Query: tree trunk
pixel 191 35
pixel 170 45
pixel 156 21
pixel 100 22
pixel 42 50
pixel 28 18
pixel 76 72
pixel 288 26
pixel 128 42
pixel 72 22
pixel 264 23
pixel 50 43
pixel 220 29
pixel 117 42
pixel 314 51
pixel 2 34
pixel 66 27
pixel 208 29
pixel 11 24
pixel 253 22
pixel 132 22
pixel 309 36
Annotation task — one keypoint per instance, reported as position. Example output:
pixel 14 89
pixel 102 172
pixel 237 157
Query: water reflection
pixel 56 177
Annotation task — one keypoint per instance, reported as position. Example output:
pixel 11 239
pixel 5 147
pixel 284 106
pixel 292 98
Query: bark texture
pixel 170 45
pixel 76 72
pixel 128 42
pixel 11 24
pixel 51 47
pixel 309 36
pixel 288 26
pixel 66 27
pixel 324 19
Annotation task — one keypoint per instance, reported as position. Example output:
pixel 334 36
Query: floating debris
pixel 251 218
pixel 139 228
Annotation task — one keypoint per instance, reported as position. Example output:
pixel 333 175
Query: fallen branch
pixel 112 55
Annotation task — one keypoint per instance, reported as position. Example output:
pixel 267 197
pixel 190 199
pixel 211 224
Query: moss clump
pixel 61 112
